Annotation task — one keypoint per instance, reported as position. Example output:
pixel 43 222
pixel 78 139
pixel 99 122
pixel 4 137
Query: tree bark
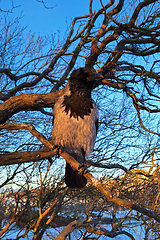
pixel 27 101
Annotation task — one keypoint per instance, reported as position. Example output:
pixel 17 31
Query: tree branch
pixel 15 78
pixel 27 101
pixel 138 8
pixel 23 157
pixel 107 166
pixel 70 227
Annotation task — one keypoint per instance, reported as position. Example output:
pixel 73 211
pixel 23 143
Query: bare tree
pixel 121 41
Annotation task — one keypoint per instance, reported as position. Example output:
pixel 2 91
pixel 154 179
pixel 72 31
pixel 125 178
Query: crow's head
pixel 83 80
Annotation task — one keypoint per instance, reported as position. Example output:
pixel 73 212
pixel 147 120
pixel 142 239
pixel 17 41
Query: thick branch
pixel 23 157
pixel 70 227
pixel 27 101
pixel 97 50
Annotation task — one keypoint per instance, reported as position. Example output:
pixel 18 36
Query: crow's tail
pixel 72 178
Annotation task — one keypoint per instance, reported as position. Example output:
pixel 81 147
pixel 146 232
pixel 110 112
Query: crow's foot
pixel 58 149
pixel 84 168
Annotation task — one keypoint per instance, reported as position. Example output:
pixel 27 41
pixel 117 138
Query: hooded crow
pixel 76 122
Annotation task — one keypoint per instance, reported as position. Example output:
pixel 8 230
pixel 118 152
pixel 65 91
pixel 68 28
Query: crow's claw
pixel 58 148
pixel 84 170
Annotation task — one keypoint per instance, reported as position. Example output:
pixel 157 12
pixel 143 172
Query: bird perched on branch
pixel 76 121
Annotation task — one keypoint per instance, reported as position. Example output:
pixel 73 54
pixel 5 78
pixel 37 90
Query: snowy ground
pixel 134 229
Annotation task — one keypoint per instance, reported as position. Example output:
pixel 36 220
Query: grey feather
pixel 74 134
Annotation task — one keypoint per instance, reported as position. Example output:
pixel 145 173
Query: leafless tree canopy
pixel 120 40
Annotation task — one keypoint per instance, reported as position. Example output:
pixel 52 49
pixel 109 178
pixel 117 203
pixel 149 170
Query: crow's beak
pixel 95 77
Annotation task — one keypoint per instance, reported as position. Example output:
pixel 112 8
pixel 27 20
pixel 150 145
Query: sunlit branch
pixel 23 157
pixel 26 102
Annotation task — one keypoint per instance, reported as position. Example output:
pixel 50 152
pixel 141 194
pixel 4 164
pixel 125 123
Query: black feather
pixel 78 105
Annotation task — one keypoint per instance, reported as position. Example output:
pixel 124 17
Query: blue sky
pixel 46 21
